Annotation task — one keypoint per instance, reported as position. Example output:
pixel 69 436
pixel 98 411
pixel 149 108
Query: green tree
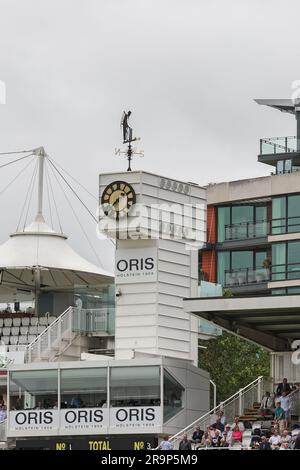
pixel 233 363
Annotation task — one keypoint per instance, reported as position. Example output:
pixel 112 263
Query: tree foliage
pixel 233 363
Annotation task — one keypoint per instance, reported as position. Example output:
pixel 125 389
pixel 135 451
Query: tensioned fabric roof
pixel 285 105
pixel 39 247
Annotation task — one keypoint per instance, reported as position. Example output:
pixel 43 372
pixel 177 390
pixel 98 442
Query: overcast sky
pixel 187 69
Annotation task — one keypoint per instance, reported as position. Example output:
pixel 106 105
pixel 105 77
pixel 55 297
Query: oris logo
pixel 34 418
pixel 136 265
pixel 83 416
pixel 135 415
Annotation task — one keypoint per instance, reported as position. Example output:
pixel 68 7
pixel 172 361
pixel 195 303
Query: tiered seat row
pixel 16 333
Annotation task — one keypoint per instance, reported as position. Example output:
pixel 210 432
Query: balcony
pixel 280 152
pixel 246 276
pixel 246 230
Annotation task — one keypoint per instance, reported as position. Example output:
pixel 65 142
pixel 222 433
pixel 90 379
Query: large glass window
pixel 223 264
pixel 293 259
pixel 173 396
pixel 135 386
pixel 83 388
pixel 223 220
pixel 278 215
pixel 278 261
pixel 33 389
pixel 294 213
pixel 286 214
pixel 241 260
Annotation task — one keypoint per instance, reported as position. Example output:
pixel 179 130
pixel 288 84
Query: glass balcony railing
pixel 241 277
pixel 278 145
pixel 246 230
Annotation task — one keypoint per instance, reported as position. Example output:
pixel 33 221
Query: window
pixel 278 261
pixel 173 396
pixel 293 260
pixel 241 260
pixel 278 215
pixel 223 220
pixel 294 213
pixel 33 389
pixel 286 214
pixel 135 386
pixel 223 264
pixel 83 388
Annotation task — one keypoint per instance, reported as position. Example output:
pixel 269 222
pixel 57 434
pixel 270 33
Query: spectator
pixel 211 432
pixel 76 402
pixel 285 437
pixel 228 433
pixel 218 424
pixel 285 405
pixel 238 423
pixel 297 442
pixel 185 444
pixel 165 443
pixel 222 417
pixel 39 406
pixel 224 442
pixel 197 434
pixel 267 405
pixel 205 439
pixel 284 446
pixel 264 444
pixel 216 441
pixel 275 440
pixel 55 406
pixel 283 387
pixel 279 416
pixel 237 435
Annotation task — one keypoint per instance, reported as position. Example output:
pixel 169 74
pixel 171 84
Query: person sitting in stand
pixel 237 435
pixel 197 434
pixel 218 425
pixel 222 417
pixel 3 413
pixel 284 386
pixel 238 423
pixel 216 441
pixel 275 440
pixel 76 402
pixel 264 444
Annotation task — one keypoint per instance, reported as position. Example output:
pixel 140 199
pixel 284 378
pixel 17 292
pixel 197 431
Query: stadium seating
pixel 16 333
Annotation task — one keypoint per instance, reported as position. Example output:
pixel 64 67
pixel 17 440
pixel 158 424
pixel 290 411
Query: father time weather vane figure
pixel 128 139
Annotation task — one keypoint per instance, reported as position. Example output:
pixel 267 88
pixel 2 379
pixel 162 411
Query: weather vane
pixel 128 139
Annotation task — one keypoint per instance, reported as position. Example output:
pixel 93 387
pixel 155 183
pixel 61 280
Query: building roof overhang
pixel 272 322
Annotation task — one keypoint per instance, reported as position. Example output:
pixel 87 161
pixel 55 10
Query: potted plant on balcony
pixel 227 293
pixel 266 263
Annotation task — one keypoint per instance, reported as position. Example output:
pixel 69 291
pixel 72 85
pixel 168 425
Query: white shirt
pixel 275 440
pixel 285 403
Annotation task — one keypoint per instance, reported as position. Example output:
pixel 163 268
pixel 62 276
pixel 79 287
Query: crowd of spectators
pixel 274 408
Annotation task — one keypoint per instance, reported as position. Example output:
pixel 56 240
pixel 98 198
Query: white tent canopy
pixel 39 248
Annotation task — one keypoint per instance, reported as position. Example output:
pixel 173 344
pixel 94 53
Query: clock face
pixel 118 198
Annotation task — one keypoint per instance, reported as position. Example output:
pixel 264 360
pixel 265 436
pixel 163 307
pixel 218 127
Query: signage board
pixel 84 421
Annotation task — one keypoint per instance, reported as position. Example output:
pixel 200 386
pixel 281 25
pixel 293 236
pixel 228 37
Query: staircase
pixel 54 340
pixel 235 405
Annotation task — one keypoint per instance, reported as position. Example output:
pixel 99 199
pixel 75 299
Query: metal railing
pixel 245 230
pixel 239 277
pixel 278 145
pixel 232 407
pixel 54 340
pixel 285 225
pixel 88 321
pixel 285 271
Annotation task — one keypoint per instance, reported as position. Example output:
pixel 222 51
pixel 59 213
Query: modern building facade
pixel 253 251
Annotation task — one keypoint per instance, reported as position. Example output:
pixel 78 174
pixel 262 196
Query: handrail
pixel 221 405
pixel 46 329
pixel 46 333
